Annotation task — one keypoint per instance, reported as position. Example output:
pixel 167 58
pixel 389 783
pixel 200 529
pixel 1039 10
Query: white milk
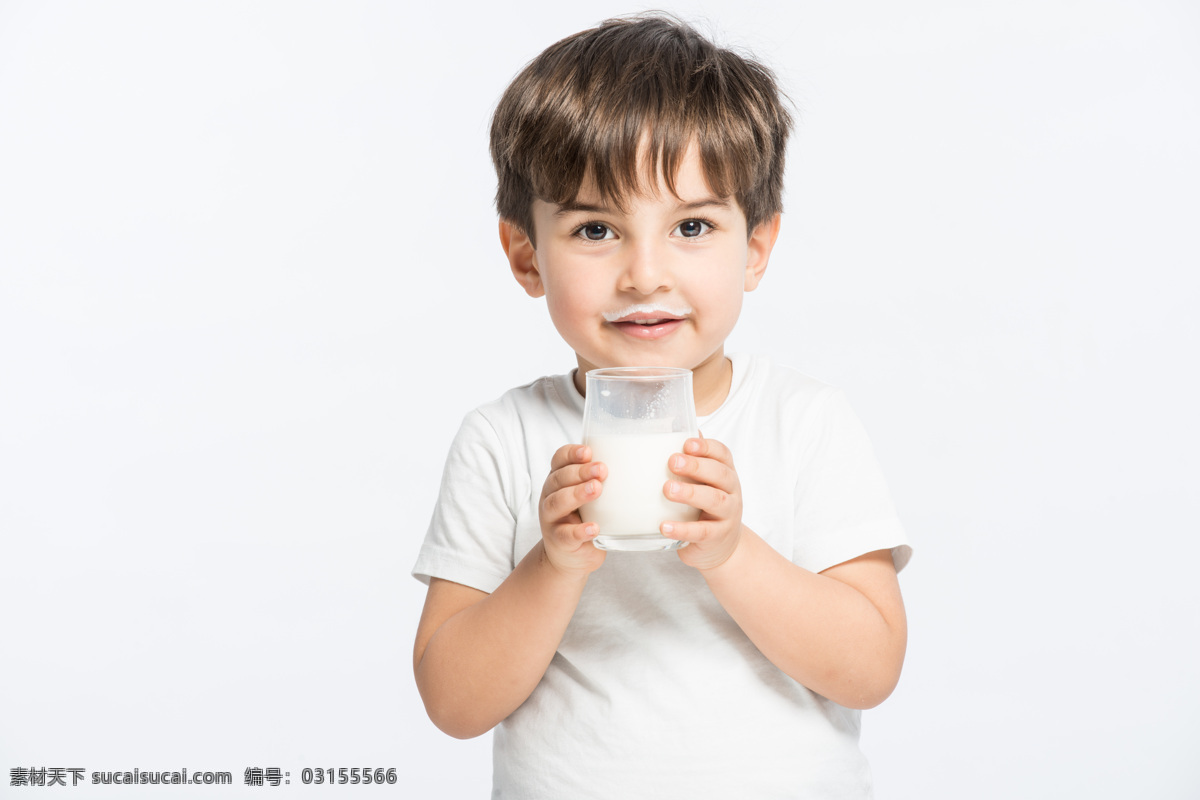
pixel 632 501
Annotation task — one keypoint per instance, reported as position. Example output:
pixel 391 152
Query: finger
pixel 573 474
pixel 571 547
pixel 575 534
pixel 694 532
pixel 566 501
pixel 570 454
pixel 709 499
pixel 708 448
pixel 708 471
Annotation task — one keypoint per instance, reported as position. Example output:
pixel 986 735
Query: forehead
pixel 688 183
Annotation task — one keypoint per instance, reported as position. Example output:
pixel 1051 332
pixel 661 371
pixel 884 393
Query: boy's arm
pixel 842 632
pixel 478 656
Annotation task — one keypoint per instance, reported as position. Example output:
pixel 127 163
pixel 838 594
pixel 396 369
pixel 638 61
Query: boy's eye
pixel 692 228
pixel 594 231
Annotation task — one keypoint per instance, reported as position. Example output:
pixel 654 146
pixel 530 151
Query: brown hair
pixel 588 103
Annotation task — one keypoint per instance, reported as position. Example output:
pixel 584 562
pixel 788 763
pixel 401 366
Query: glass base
pixel 641 543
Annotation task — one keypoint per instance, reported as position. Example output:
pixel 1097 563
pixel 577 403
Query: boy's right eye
pixel 594 232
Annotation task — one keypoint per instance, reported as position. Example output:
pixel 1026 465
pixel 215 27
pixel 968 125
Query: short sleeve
pixel 470 537
pixel 843 507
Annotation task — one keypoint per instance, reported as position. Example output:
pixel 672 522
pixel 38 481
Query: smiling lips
pixel 645 321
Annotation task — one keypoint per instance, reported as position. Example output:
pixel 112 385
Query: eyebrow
pixel 571 208
pixel 695 205
pixel 705 202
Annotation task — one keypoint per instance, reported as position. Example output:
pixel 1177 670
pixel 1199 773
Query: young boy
pixel 640 172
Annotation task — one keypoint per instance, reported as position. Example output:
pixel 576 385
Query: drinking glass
pixel 634 420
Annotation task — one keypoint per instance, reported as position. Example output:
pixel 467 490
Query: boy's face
pixel 659 284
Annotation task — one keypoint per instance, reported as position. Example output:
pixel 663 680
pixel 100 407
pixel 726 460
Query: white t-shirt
pixel 655 691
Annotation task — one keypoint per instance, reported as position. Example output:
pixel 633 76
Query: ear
pixel 522 258
pixel 758 250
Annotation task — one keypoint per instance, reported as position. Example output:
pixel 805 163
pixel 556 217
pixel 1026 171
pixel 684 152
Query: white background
pixel 249 285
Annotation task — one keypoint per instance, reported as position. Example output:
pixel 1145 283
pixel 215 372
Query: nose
pixel 646 270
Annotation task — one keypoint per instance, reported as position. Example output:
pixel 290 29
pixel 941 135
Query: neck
pixel 711 380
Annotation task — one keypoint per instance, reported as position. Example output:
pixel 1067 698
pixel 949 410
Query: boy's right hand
pixel 574 479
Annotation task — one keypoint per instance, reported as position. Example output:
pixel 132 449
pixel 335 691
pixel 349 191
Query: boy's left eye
pixel 691 228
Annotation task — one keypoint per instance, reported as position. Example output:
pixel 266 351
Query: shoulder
pixel 523 427
pixel 781 404
pixel 774 389
pixel 551 394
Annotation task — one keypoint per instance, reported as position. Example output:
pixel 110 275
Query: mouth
pixel 647 321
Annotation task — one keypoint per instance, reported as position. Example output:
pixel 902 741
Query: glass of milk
pixel 635 419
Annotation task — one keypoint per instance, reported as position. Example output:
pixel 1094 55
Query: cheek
pixel 731 307
pixel 726 283
pixel 560 309
pixel 563 293
pixel 569 303
pixel 723 295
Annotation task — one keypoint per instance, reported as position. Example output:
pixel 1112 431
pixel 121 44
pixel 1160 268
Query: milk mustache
pixel 632 502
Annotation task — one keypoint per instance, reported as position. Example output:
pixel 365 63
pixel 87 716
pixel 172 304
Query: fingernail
pixel 672 488
pixel 693 446
pixel 579 451
pixel 668 527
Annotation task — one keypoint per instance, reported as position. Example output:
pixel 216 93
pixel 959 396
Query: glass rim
pixel 637 373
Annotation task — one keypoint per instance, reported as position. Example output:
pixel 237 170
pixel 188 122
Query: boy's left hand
pixel 716 492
